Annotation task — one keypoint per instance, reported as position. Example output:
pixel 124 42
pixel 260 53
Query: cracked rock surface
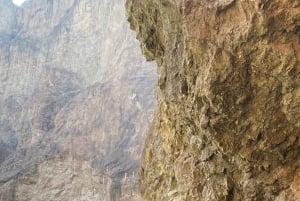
pixel 227 125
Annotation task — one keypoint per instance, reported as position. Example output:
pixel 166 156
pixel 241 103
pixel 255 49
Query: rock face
pixel 228 119
pixel 76 101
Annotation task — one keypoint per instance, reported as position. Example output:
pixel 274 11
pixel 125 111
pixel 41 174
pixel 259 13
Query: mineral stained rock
pixel 227 126
pixel 76 101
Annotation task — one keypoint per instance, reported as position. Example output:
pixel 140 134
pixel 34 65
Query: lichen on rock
pixel 227 124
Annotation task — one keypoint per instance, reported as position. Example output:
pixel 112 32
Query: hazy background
pixel 76 101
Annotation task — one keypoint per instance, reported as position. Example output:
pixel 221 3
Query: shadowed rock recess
pixel 76 101
pixel 227 126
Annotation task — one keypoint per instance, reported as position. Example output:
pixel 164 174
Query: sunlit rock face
pixel 228 121
pixel 76 101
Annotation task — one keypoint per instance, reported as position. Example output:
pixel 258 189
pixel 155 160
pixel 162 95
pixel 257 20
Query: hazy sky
pixel 18 2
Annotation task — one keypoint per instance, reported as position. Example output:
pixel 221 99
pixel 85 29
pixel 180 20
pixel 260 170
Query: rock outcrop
pixel 76 101
pixel 228 120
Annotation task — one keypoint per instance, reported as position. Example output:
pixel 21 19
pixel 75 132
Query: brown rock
pixel 239 64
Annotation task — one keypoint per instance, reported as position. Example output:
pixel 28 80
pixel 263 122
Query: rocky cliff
pixel 76 101
pixel 228 124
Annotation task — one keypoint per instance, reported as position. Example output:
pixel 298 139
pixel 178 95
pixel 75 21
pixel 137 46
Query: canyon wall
pixel 228 120
pixel 76 101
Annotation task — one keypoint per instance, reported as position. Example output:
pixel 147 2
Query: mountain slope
pixel 76 101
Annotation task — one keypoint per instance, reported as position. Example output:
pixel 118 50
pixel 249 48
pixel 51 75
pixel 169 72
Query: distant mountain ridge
pixel 76 101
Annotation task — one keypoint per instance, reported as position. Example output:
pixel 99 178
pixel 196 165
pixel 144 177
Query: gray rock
pixel 68 72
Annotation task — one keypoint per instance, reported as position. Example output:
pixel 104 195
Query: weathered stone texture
pixel 227 125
